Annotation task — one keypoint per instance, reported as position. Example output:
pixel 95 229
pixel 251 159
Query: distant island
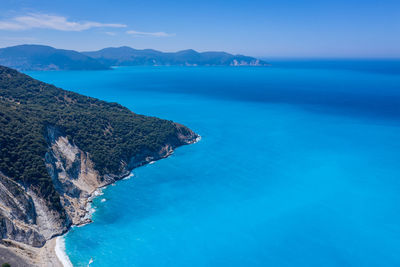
pixel 57 148
pixel 127 56
pixel 40 57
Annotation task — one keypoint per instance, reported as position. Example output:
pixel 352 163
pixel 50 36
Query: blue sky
pixel 269 28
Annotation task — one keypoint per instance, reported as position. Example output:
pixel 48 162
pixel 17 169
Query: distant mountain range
pixel 57 147
pixel 40 57
pixel 127 56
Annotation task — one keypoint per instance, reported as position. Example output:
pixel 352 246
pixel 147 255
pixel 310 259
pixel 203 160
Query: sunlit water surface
pixel 299 165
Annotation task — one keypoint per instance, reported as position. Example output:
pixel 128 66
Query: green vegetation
pixel 6 265
pixel 108 131
pixel 127 56
pixel 41 57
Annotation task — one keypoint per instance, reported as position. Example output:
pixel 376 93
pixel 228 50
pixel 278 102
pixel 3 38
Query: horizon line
pixel 261 57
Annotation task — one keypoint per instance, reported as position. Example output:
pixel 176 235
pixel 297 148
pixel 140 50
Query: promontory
pixel 56 148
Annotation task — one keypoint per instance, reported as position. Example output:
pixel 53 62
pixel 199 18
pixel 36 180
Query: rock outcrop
pixel 56 148
pixel 18 215
pixel 25 217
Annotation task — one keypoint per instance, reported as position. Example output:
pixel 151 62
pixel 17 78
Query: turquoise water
pixel 297 166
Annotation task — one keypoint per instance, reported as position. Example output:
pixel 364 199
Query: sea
pixel 298 165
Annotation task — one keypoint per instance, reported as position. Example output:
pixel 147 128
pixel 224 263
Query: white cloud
pixel 150 34
pixel 111 33
pixel 44 21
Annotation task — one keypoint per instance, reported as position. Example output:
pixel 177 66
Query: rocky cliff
pixel 25 217
pixel 56 149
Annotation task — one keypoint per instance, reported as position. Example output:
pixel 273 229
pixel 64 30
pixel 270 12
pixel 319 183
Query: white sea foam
pixel 152 162
pixel 103 200
pixel 97 192
pixel 198 139
pixel 129 176
pixel 60 252
pixel 91 211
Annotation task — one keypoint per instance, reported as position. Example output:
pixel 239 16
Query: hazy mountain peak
pixel 42 57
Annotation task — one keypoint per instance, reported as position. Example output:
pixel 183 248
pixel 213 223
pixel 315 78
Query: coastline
pixel 60 251
pixel 53 252
pixel 58 247
pixel 58 244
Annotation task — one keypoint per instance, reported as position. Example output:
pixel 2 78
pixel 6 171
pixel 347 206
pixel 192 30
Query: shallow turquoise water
pixel 296 167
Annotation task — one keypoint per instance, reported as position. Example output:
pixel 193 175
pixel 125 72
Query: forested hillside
pixel 109 132
pixel 42 57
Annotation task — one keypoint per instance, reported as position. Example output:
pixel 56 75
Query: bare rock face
pixel 48 221
pixel 72 173
pixel 185 135
pixel 36 207
pixel 18 217
pixel 25 217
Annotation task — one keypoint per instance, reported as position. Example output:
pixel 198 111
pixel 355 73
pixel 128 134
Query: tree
pixel 110 133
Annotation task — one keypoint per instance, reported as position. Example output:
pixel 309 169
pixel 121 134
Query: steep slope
pixel 126 56
pixel 40 57
pixel 57 147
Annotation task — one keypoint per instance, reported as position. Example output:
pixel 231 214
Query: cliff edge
pixel 57 148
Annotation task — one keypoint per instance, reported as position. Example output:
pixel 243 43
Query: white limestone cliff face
pixel 26 218
pixel 253 62
pixel 18 216
pixel 73 175
pixel 27 222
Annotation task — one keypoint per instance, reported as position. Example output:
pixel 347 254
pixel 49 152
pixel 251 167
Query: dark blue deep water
pixel 299 165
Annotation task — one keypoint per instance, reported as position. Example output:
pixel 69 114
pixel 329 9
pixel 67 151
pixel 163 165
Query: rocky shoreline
pixel 32 243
